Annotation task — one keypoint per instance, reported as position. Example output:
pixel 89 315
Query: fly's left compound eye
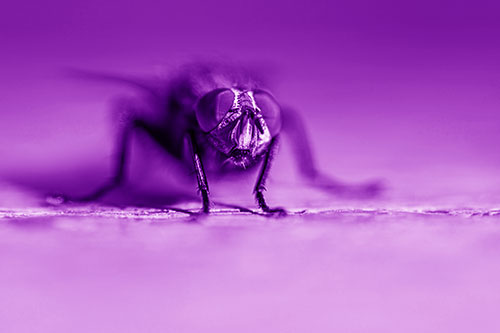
pixel 270 111
pixel 212 107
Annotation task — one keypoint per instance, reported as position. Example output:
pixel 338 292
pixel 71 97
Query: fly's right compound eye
pixel 270 109
pixel 212 107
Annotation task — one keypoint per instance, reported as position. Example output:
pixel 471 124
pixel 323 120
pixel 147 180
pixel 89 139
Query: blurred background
pixel 405 91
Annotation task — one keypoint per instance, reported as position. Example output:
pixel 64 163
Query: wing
pixel 152 86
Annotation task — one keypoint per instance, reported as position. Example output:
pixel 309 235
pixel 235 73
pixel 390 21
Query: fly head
pixel 239 123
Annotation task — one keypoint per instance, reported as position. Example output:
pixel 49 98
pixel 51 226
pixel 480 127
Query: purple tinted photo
pixel 372 126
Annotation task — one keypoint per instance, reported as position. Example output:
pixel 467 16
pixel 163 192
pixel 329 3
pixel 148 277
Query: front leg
pixel 260 186
pixel 200 173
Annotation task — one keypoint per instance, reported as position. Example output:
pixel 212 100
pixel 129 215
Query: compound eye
pixel 270 111
pixel 212 107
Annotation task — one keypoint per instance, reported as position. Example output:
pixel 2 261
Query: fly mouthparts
pixel 240 153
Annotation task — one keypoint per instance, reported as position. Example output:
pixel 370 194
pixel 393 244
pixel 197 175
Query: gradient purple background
pixel 409 92
pixel 388 85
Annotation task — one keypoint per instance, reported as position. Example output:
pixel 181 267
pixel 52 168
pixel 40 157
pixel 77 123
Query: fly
pixel 224 117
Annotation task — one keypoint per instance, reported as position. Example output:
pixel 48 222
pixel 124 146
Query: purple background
pixel 408 92
pixel 403 91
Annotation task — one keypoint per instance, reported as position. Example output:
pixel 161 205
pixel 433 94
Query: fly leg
pixel 120 163
pixel 115 181
pixel 293 127
pixel 200 174
pixel 260 186
pixel 119 167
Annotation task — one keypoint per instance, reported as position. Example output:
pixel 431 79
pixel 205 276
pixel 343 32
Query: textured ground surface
pixel 353 267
